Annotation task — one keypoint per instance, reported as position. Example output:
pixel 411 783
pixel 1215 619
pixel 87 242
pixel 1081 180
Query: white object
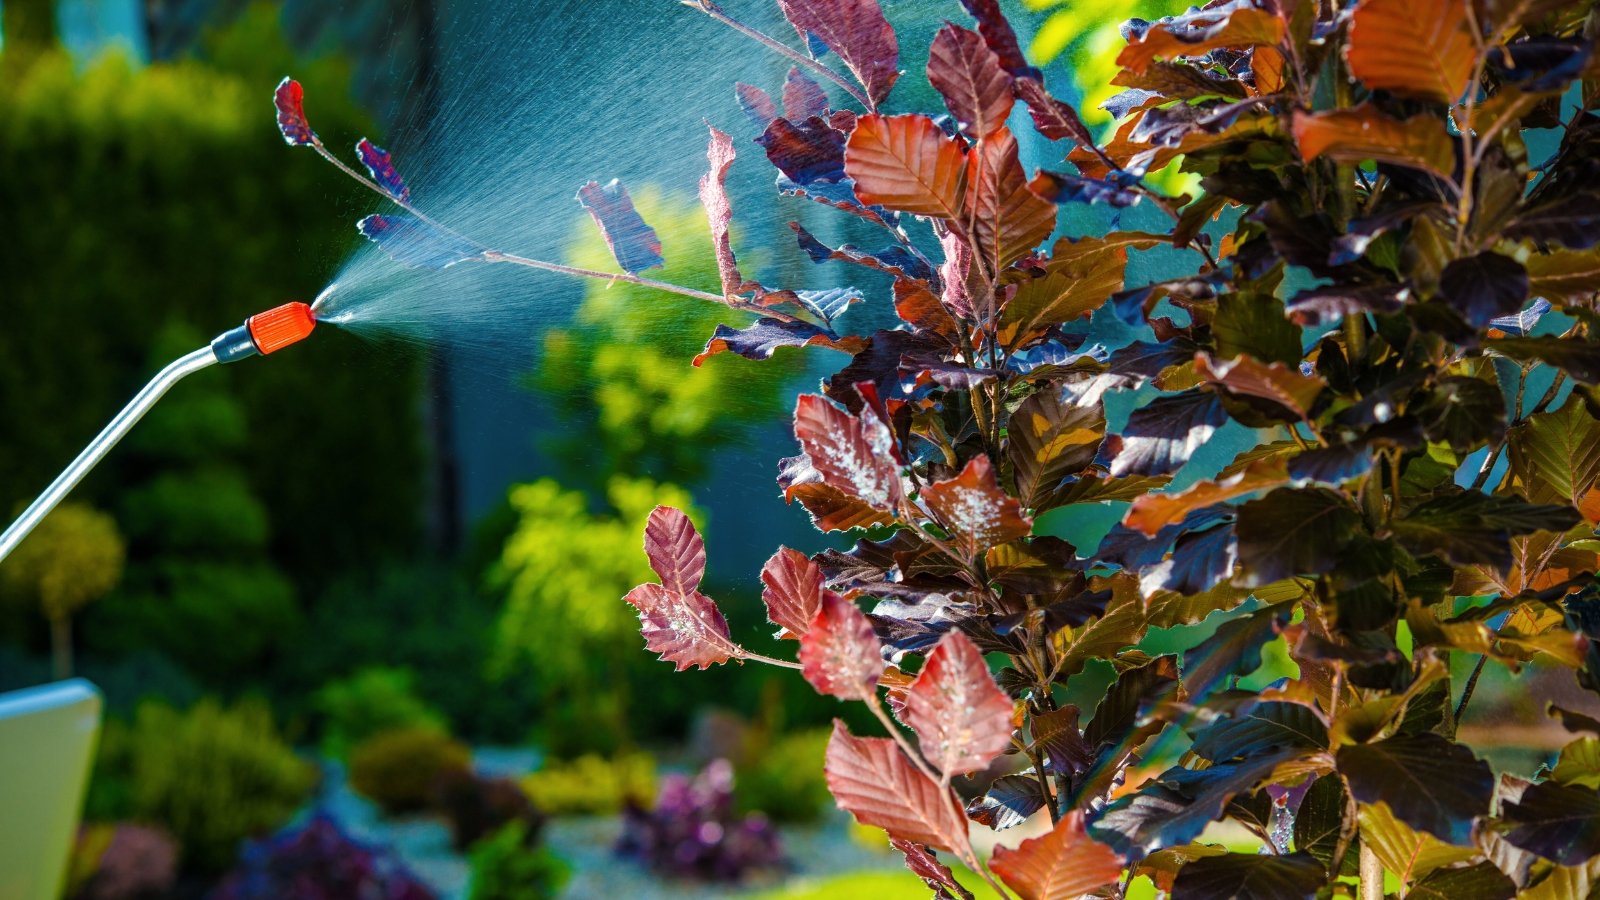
pixel 47 739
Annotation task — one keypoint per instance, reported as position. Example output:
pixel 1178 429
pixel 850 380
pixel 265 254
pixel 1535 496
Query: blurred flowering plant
pixel 318 861
pixel 693 831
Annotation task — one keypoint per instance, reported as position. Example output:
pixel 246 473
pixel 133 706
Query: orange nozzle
pixel 281 326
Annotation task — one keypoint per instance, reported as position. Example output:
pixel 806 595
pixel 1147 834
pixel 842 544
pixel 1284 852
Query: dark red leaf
pixel 410 241
pixel 873 780
pixel 758 341
pixel 1008 220
pixel 962 720
pixel 855 30
pixel 803 97
pixel 676 552
pixel 685 629
pixel 810 152
pixel 1161 435
pixel 840 654
pixel 384 174
pixel 906 163
pixel 793 589
pixel 289 98
pixel 969 77
pixel 857 455
pixel 1000 37
pixel 923 864
pixel 973 508
pixel 633 243
pixel 1051 117
pixel 892 260
pixel 714 197
pixel 1062 865
pixel 756 103
pixel 1430 783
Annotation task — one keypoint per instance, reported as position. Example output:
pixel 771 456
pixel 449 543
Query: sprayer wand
pixel 260 334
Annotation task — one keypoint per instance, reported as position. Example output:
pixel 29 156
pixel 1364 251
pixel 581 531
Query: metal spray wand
pixel 260 334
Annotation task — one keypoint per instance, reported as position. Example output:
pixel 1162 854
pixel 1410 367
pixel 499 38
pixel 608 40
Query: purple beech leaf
pixel 1485 287
pixel 829 304
pixel 908 164
pixel 968 74
pixel 1000 37
pixel 809 151
pixel 719 212
pixel 1429 782
pixel 412 242
pixel 1063 188
pixel 872 779
pixel 856 454
pixel 1520 324
pixel 289 99
pixel 1161 435
pixel 677 554
pixel 633 243
pixel 1063 864
pixel 840 655
pixel 1008 220
pixel 830 508
pixel 792 589
pixel 678 622
pixel 953 273
pixel 381 167
pixel 1286 876
pixel 977 513
pixel 857 32
pixel 962 720
pixel 1557 821
pixel 1010 801
pixel 756 103
pixel 923 864
pixel 892 260
pixel 1326 305
pixel 760 340
pixel 839 195
pixel 1051 117
pixel 803 97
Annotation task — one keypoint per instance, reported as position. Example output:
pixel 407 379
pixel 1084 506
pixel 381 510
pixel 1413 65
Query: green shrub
pixel 374 699
pixel 213 776
pixel 396 769
pixel 505 867
pixel 592 784
pixel 786 782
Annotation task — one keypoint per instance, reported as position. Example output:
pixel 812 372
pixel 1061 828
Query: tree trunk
pixel 30 26
pixel 61 646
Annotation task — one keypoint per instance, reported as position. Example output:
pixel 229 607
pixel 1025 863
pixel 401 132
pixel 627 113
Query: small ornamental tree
pixel 1401 308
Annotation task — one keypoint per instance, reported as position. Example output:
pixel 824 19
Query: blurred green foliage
pixel 1089 34
pixel 619 374
pixel 374 699
pixel 592 785
pixel 72 559
pixel 785 780
pixel 211 776
pixel 506 867
pixel 158 207
pixel 396 769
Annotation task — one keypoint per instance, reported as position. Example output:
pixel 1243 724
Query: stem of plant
pixel 1371 873
pixel 780 663
pixel 1472 685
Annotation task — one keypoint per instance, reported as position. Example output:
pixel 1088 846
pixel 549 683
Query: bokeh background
pixel 358 609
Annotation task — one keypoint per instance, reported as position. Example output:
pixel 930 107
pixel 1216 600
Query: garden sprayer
pixel 261 334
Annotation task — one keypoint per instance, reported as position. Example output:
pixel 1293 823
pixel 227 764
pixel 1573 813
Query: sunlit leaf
pixel 906 163
pixel 1555 455
pixel 840 654
pixel 857 455
pixel 1051 438
pixel 1430 783
pixel 1234 649
pixel 1008 220
pixel 1419 48
pixel 1152 512
pixel 973 508
pixel 289 99
pixel 1062 865
pixel 1161 435
pixel 792 589
pixel 410 241
pixel 1276 383
pixel 968 74
pixel 1009 801
pixel 962 720
pixel 381 167
pixel 809 151
pixel 1363 133
pixel 872 779
pixel 923 864
pixel 633 243
pixel 678 622
pixel 1198 32
pixel 1408 853
pixel 1483 881
pixel 714 197
pixel 760 339
pixel 1077 279
pixel 855 30
pixel 756 103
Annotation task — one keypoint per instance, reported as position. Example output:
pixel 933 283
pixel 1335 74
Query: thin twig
pixel 1472 684
pixel 714 11
pixel 781 663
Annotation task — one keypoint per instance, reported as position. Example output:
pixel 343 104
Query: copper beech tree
pixel 1393 281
